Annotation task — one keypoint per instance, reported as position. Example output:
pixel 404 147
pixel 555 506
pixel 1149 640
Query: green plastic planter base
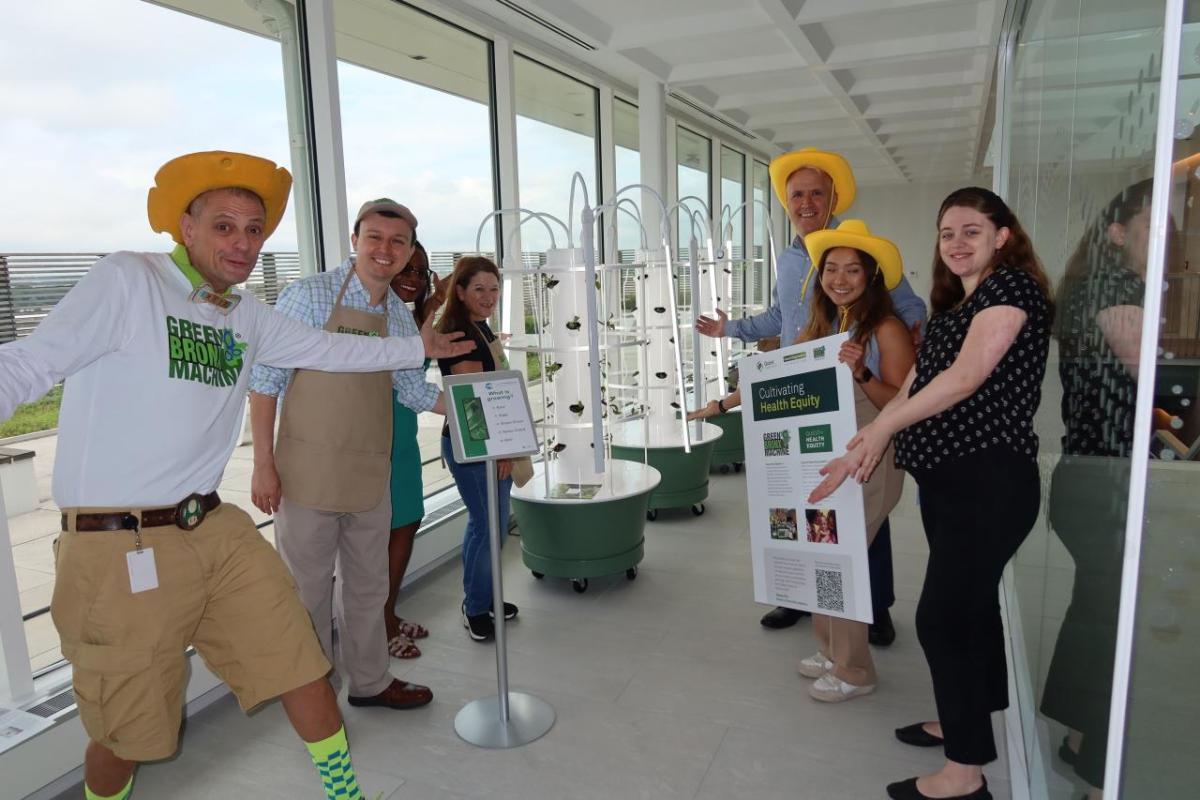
pixel 730 449
pixel 582 540
pixel 684 475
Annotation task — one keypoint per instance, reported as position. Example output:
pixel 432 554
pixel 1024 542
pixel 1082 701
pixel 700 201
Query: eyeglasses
pixel 421 273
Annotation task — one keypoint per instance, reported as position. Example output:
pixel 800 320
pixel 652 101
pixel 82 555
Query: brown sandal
pixel 412 630
pixel 402 647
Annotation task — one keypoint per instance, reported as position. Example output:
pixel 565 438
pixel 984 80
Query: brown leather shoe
pixel 398 695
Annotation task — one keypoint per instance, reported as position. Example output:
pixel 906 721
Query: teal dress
pixel 408 493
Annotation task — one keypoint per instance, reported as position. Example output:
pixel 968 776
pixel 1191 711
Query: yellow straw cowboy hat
pixel 181 180
pixel 854 233
pixel 833 165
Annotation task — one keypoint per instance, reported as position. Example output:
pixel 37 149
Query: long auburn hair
pixel 867 313
pixel 455 317
pixel 1017 252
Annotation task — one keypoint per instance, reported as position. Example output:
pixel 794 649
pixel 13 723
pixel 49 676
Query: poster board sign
pixel 489 416
pixel 797 415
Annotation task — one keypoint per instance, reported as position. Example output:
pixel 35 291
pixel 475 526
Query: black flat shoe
pixel 917 736
pixel 780 617
pixel 1066 754
pixel 907 790
pixel 881 632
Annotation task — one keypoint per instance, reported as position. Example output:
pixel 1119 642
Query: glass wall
pixel 557 120
pixel 693 157
pixel 92 124
pixel 416 127
pixel 1084 111
pixel 759 279
pixel 628 170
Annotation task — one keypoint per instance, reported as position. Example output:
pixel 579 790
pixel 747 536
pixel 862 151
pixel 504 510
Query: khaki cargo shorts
pixel 221 588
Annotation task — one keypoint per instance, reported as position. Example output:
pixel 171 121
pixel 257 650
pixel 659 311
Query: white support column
pixel 652 145
pixel 16 677
pixel 608 149
pixel 505 110
pixel 317 29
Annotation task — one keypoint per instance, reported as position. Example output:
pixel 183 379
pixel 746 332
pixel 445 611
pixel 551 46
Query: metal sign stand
pixel 505 719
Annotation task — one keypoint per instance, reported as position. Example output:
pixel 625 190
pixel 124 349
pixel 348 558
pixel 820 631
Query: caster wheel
pixel 698 509
pixel 724 469
pixel 652 514
pixel 737 467
pixel 538 575
pixel 579 585
pixel 631 573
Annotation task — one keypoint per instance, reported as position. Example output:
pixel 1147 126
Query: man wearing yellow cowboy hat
pixel 814 186
pixel 156 351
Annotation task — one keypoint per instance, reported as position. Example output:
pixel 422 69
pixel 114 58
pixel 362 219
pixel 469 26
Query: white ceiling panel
pixel 892 84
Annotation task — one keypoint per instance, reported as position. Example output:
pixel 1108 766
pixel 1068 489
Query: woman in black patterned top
pixel 963 427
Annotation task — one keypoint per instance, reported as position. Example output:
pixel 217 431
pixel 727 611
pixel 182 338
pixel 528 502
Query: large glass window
pixel 628 170
pixel 731 217
pixel 761 274
pixel 693 157
pixel 416 127
pixel 1084 112
pixel 87 121
pixel 556 137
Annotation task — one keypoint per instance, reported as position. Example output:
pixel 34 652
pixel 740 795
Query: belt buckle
pixel 190 512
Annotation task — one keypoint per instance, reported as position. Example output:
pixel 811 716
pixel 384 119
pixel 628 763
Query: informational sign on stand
pixel 491 416
pixel 797 415
pixel 489 419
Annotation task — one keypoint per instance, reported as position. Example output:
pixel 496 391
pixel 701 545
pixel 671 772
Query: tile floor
pixel 664 687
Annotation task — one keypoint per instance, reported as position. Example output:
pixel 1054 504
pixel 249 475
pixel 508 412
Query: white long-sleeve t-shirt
pixel 156 383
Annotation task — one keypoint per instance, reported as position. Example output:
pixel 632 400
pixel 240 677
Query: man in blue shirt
pixel 815 186
pixel 327 477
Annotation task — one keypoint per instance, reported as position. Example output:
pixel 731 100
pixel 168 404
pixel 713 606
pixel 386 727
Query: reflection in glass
pixel 1098 329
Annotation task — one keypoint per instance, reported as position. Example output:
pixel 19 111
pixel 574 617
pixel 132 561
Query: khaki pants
pixel 844 642
pixel 311 541
pixel 221 587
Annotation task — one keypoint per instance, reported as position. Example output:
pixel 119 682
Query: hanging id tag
pixel 142 574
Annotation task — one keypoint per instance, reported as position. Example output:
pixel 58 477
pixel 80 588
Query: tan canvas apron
pixel 335 437
pixel 882 492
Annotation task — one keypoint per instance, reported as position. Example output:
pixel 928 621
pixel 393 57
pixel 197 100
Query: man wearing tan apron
pixel 328 478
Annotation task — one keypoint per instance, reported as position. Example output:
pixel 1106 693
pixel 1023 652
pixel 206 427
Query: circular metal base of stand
pixel 529 718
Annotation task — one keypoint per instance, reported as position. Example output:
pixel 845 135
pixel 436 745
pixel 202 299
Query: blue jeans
pixel 476 549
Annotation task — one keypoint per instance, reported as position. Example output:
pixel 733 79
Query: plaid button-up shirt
pixel 311 301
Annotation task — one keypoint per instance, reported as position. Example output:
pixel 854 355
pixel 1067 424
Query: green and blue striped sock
pixel 332 759
pixel 88 794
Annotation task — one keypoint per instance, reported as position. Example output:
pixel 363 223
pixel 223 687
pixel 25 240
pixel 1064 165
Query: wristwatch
pixel 721 404
pixel 866 376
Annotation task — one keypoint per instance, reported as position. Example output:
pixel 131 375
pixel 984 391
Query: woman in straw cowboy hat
pixel 854 275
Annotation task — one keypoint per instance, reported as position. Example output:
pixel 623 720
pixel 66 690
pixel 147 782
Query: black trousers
pixel 976 510
pixel 879 559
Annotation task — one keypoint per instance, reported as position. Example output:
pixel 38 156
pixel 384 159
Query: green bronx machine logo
pixel 775 443
pixel 203 354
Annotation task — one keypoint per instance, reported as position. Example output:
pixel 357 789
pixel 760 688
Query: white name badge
pixel 142 574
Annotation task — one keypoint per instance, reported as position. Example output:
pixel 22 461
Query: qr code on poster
pixel 829 590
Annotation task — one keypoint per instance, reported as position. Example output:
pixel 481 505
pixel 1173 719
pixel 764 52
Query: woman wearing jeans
pixel 963 426
pixel 471 300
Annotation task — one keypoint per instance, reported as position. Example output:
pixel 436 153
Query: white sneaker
pixel 814 666
pixel 829 688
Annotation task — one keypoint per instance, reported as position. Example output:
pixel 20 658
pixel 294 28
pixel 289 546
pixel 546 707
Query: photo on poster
pixel 821 525
pixel 477 428
pixel 783 524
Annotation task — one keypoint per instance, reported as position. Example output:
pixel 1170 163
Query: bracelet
pixel 721 405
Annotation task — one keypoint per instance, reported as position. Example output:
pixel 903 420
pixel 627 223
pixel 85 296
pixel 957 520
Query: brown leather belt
pixel 187 514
